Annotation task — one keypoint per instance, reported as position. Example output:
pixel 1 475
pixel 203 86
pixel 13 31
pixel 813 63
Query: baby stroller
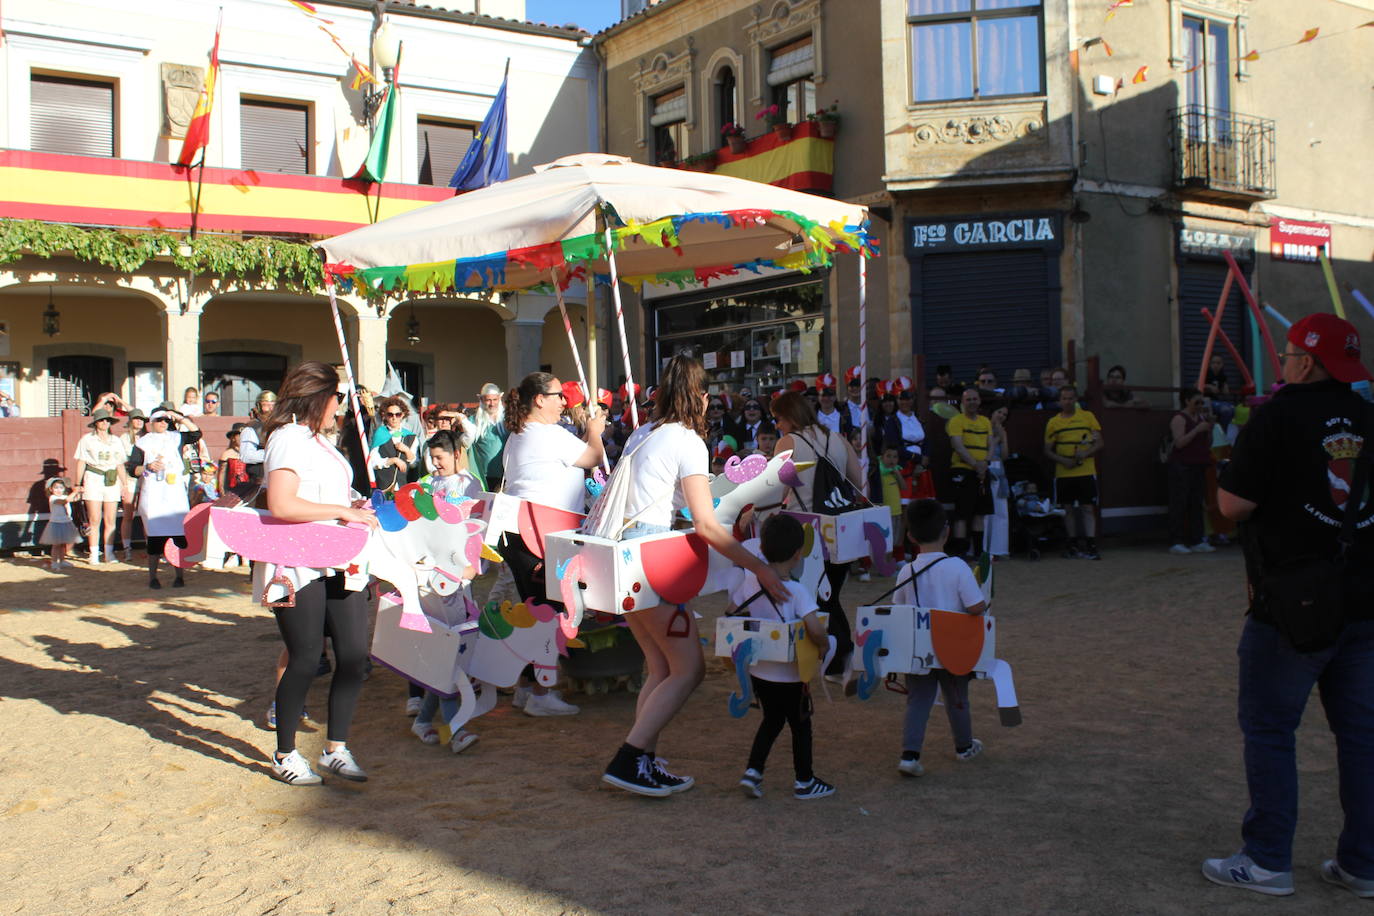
pixel 1035 522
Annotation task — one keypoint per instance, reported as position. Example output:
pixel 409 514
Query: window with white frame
pixel 791 78
pixel 975 49
pixel 71 115
pixel 724 89
pixel 275 135
pixel 442 145
pixel 668 119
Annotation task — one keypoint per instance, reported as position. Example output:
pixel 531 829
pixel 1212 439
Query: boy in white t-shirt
pixel 785 700
pixel 935 580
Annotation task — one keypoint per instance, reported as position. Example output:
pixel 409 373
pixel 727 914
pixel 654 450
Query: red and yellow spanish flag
pixel 198 131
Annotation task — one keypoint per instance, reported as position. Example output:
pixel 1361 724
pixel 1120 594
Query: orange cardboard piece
pixel 537 521
pixel 957 639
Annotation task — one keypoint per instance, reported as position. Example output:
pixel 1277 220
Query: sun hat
pixel 103 414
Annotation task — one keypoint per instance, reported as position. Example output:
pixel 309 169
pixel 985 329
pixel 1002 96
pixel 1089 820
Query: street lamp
pixel 384 55
pixel 412 327
pixel 51 318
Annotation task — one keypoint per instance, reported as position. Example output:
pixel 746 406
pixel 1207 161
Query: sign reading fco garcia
pixel 1026 230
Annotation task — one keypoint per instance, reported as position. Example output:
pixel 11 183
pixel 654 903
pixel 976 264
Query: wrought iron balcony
pixel 1222 154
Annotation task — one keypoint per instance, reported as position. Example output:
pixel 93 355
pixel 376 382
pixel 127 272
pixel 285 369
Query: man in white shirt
pixel 830 416
pixel 854 405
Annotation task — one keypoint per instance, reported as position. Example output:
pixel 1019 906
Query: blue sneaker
pixel 1241 871
pixel 1360 887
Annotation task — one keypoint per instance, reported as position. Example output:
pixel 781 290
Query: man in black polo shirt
pixel 1289 481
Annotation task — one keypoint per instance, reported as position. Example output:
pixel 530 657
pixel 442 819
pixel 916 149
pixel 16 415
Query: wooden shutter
pixel 275 136
pixel 989 306
pixel 442 145
pixel 71 116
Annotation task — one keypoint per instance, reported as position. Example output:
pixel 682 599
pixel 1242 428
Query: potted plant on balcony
pixel 827 120
pixel 734 136
pixel 776 118
pixel 701 162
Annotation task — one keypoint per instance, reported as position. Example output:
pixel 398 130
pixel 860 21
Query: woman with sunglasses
pixel 395 449
pixel 544 464
pixel 164 497
pixel 138 425
pixel 308 480
pixel 669 472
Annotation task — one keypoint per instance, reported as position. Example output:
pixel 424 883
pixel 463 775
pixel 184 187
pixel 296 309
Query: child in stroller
pixel 1035 520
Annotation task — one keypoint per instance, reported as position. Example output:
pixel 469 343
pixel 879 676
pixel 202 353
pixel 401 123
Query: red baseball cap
pixel 1332 340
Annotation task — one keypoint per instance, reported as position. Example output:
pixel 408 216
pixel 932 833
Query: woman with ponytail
pixel 670 472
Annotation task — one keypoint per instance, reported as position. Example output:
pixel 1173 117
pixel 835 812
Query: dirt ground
pixel 134 778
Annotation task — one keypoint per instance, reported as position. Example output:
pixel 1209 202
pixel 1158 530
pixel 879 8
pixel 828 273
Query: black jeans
pixel 838 625
pixel 322 605
pixel 1187 496
pixel 526 569
pixel 788 704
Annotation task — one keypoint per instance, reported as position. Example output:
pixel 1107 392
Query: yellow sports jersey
pixel 1065 434
pixel 975 433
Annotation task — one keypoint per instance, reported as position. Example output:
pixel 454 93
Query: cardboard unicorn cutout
pixel 909 639
pixel 619 577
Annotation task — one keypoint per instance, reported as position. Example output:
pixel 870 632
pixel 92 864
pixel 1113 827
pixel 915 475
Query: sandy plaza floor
pixel 133 776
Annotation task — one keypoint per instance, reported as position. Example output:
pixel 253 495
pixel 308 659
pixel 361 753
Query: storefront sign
pixel 708 359
pixel 1207 243
pixel 1026 231
pixel 1292 240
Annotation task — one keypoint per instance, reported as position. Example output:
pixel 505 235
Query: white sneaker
pixel 110 555
pixel 1179 549
pixel 1202 547
pixel 549 704
pixel 341 763
pixel 973 750
pixel 462 741
pixel 426 732
pixel 521 697
pixel 910 768
pixel 94 559
pixel 865 576
pixel 293 770
pixel 413 705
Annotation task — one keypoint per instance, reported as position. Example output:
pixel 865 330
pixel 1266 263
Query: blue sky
pixel 592 15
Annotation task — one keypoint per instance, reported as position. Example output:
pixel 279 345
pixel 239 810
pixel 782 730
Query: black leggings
pixel 789 704
pixel 322 605
pixel 838 626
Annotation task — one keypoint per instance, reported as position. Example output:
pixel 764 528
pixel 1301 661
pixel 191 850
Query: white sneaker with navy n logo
pixel 1241 871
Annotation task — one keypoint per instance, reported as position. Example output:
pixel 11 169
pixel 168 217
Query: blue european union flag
pixel 485 161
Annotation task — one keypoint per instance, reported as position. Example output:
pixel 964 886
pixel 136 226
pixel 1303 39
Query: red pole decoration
pixel 1255 310
pixel 1235 354
pixel 1212 334
pixel 352 383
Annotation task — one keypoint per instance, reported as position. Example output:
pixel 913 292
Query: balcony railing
pixel 1223 154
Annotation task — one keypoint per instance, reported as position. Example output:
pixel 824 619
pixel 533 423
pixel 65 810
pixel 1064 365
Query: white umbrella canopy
pixel 667 224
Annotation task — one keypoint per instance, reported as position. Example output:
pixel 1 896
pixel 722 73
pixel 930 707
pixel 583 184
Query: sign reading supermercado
pixel 1293 240
pixel 1035 230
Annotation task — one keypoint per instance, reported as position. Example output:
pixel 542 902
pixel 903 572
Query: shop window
pixel 669 122
pixel 725 88
pixel 275 136
pixel 791 79
pixel 752 337
pixel 975 49
pixel 70 115
pixel 442 145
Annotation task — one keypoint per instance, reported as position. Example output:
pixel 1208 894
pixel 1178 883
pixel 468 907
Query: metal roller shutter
pixel 1199 286
pixel 275 136
pixel 442 146
pixel 986 307
pixel 71 116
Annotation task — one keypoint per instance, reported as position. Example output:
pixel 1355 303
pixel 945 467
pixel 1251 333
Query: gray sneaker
pixel 1360 887
pixel 1241 871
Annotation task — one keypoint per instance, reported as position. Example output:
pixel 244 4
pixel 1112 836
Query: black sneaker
pixel 635 774
pixel 1090 553
pixel 1071 552
pixel 664 778
pixel 752 783
pixel 816 788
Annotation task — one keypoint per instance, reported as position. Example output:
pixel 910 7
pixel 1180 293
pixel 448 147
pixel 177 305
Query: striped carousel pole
pixel 620 322
pixel 352 383
pixel 863 368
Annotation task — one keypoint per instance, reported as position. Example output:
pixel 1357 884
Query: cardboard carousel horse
pixel 620 576
pixel 895 639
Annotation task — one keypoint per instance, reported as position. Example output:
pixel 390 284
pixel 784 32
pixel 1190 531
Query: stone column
pixel 181 366
pixel 524 341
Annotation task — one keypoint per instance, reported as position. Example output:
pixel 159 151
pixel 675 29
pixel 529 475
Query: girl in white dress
pixel 164 485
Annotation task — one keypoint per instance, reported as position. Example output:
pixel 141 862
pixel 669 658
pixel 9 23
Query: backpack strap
pixel 911 580
pixel 761 593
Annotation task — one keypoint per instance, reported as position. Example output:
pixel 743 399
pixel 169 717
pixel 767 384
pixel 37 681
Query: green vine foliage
pixel 265 261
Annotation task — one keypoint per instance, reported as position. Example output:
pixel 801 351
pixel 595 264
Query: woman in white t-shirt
pixel 100 476
pixel 544 464
pixel 309 480
pixel 810 441
pixel 670 470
